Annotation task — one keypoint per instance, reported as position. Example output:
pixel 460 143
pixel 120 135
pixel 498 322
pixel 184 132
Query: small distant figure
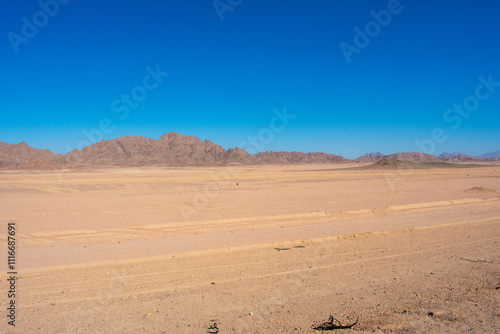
pixel 236 183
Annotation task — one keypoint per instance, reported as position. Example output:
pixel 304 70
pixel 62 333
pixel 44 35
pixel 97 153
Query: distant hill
pixel 20 155
pixel 461 158
pixel 373 154
pixel 398 164
pixel 170 149
pixel 173 149
pixel 404 157
pixel 413 157
pixel 297 158
pixel 491 155
pixel 178 150
pixel 369 157
pixel 450 155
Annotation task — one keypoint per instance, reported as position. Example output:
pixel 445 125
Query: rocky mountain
pixel 406 157
pixel 459 158
pixel 450 155
pixel 174 149
pixel 370 157
pixel 170 149
pixel 491 155
pixel 18 155
pixel 373 154
pixel 413 157
pixel 297 158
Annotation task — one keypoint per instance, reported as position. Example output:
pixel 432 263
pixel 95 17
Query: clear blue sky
pixel 226 76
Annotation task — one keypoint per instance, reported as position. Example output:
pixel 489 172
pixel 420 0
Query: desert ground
pixel 255 249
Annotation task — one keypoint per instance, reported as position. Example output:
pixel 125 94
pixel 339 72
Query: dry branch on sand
pixel 332 324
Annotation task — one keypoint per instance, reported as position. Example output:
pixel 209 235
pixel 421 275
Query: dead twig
pixel 462 258
pixel 330 325
pixel 213 329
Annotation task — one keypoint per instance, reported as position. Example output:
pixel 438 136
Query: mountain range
pixel 491 155
pixel 173 149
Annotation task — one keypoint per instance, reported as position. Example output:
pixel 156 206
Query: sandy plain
pixel 255 249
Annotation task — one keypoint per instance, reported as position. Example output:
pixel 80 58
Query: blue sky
pixel 225 77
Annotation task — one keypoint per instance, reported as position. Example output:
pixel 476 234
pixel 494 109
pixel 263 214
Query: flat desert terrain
pixel 255 249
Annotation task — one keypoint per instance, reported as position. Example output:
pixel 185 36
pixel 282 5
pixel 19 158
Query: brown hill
pixel 407 157
pixel 240 156
pixel 460 158
pixel 19 155
pixel 177 150
pixel 174 149
pixel 409 165
pixel 412 157
pixel 297 158
pixel 370 157
pixel 450 155
pixel 170 149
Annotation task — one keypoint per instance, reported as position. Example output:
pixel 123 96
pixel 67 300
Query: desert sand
pixel 255 249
